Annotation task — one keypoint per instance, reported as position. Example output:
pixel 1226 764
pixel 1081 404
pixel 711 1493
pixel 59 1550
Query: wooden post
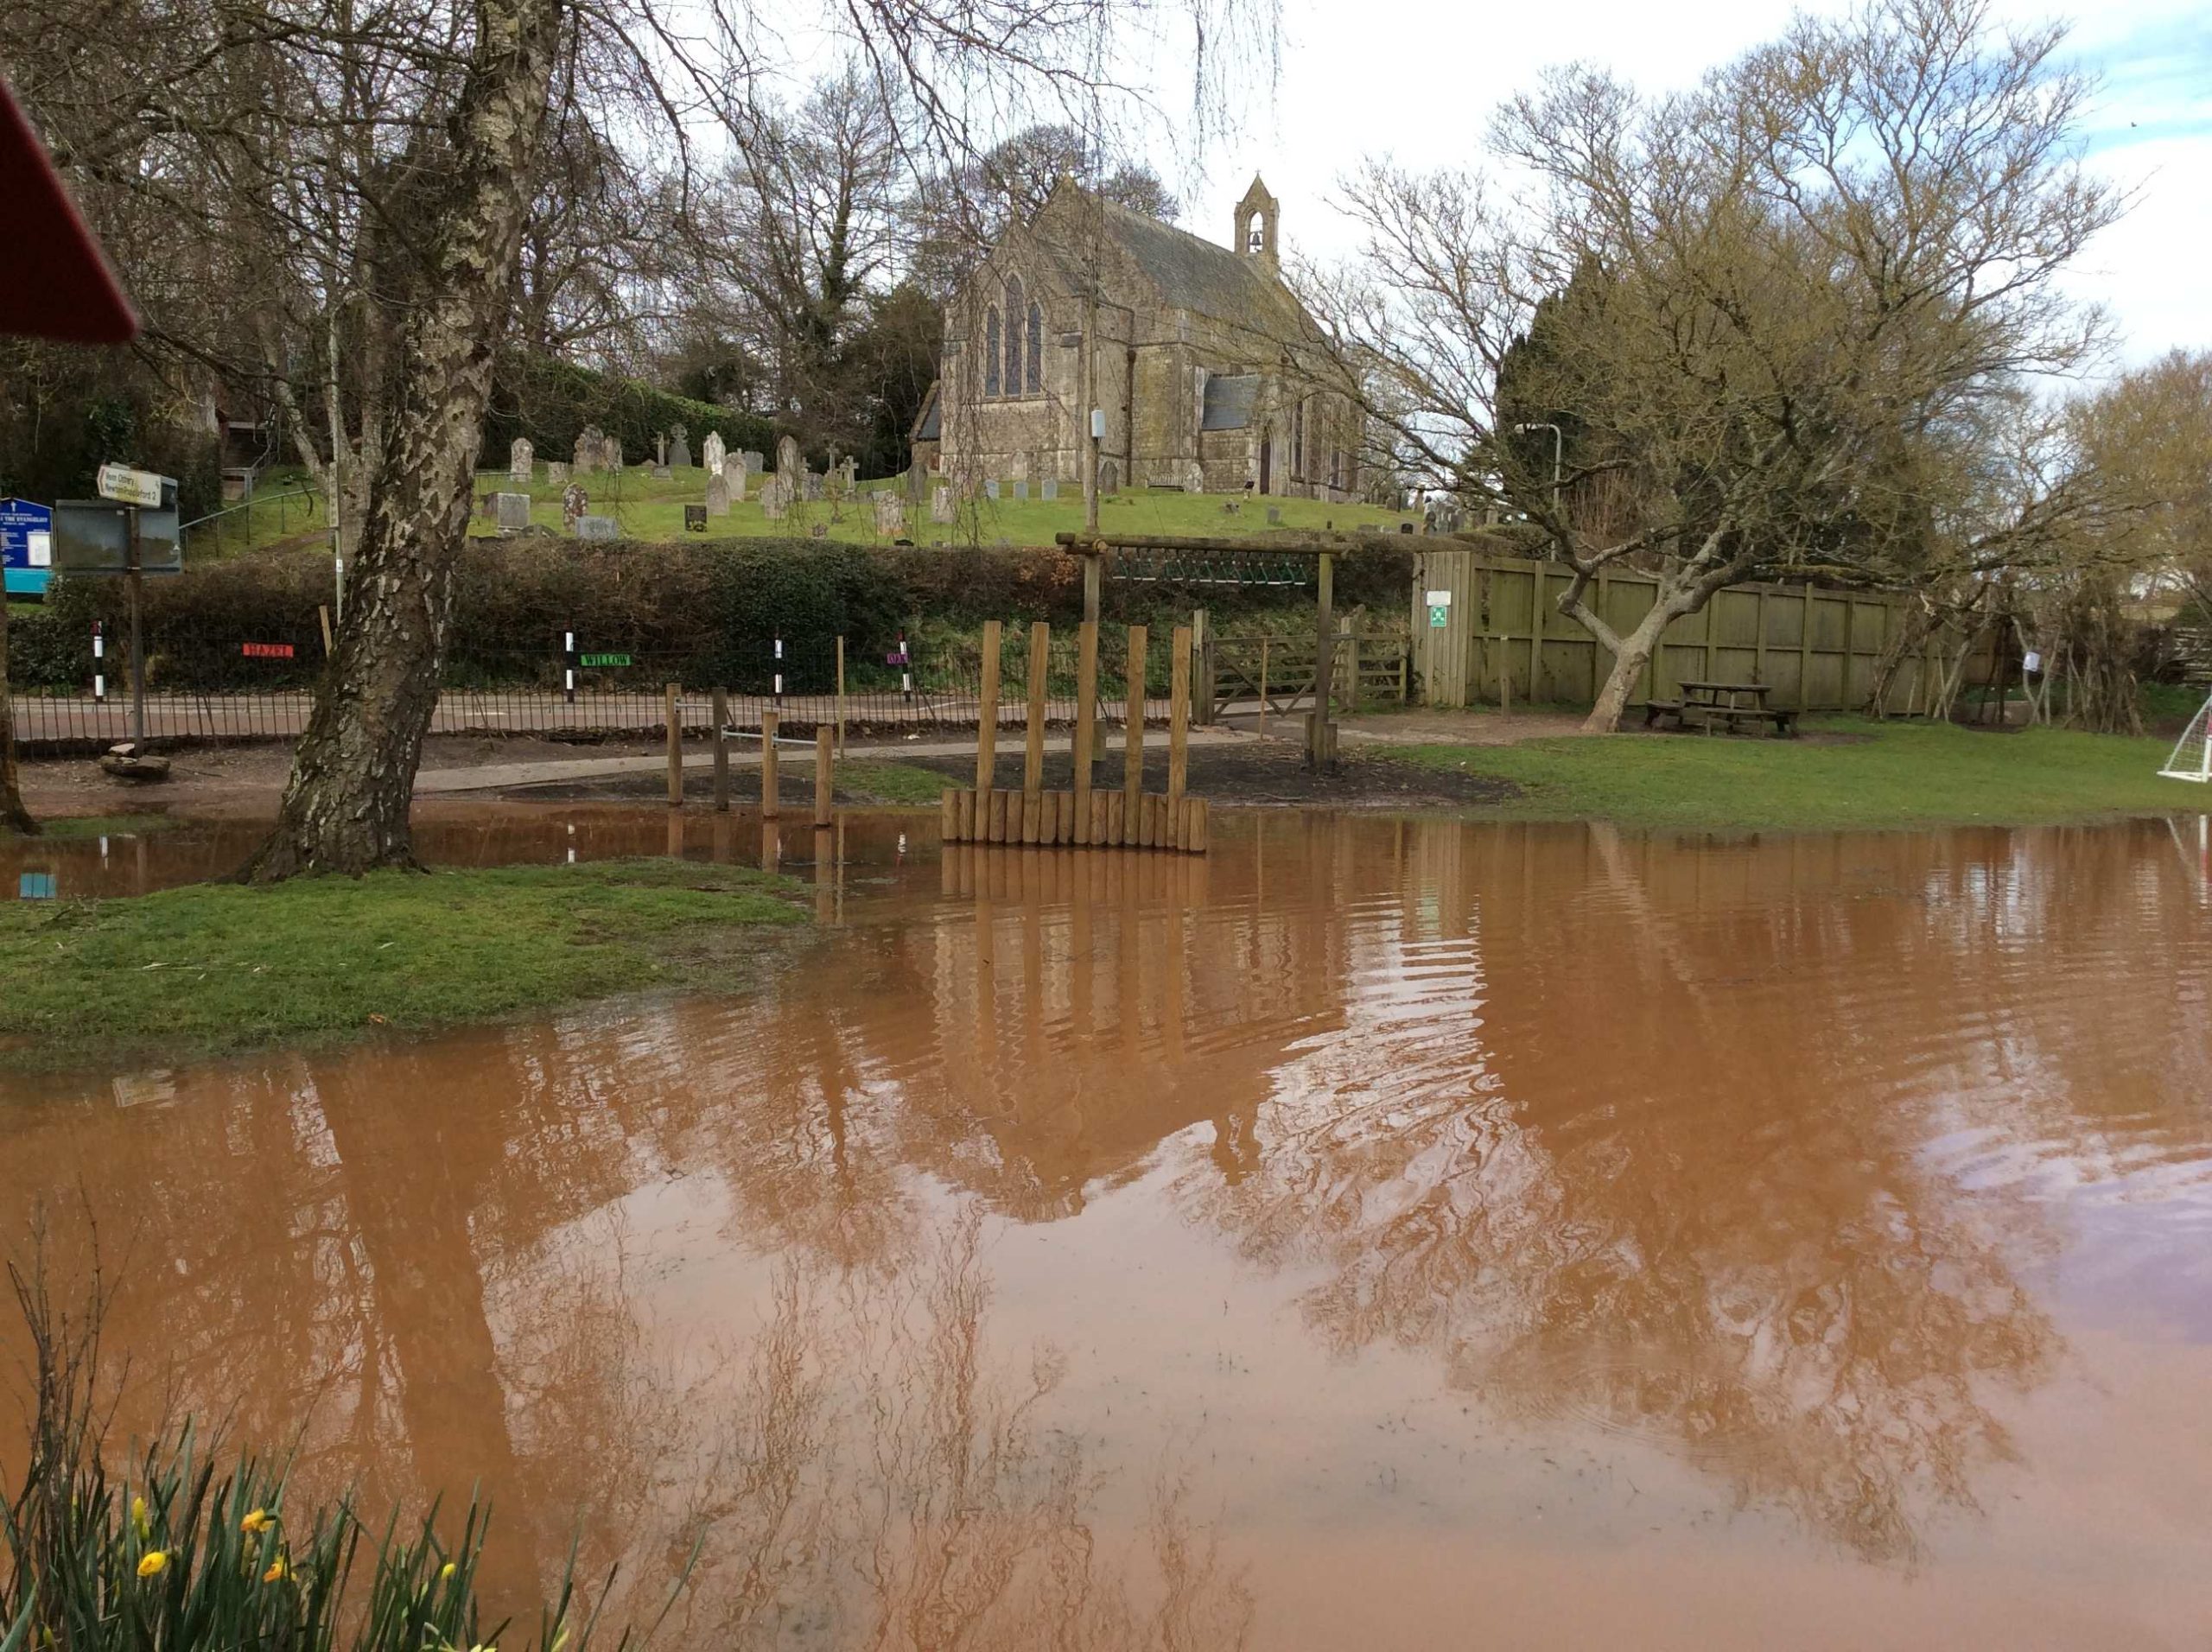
pixel 1202 685
pixel 675 748
pixel 1094 577
pixel 1133 751
pixel 1263 685
pixel 1324 663
pixel 1805 655
pixel 1033 757
pixel 1710 603
pixel 986 710
pixel 1179 731
pixel 841 694
pixel 1086 723
pixel 770 808
pixel 1351 664
pixel 825 776
pixel 1849 627
pixel 322 613
pixel 722 749
pixel 1759 643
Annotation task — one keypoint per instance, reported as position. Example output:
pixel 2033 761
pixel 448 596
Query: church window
pixel 1014 316
pixel 1035 381
pixel 991 354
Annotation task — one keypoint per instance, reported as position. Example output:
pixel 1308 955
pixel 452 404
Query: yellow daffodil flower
pixel 257 1522
pixel 154 1564
pixel 138 1521
pixel 278 1572
pixel 445 1572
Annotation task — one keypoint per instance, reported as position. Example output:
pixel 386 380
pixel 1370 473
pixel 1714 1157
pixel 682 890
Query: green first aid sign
pixel 1438 615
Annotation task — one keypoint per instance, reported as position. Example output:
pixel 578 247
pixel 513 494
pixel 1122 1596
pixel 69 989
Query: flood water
pixel 1392 1233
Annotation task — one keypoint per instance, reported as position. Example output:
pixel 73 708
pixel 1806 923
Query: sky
pixel 1417 78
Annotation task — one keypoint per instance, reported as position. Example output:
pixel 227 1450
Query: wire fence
pixel 211 688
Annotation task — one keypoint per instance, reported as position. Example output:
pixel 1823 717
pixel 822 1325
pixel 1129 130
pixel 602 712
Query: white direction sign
pixel 129 486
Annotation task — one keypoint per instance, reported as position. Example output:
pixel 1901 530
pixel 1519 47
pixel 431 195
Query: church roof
pixel 1191 272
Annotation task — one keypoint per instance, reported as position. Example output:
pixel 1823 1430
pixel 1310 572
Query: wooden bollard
pixel 771 807
pixel 1133 753
pixel 1032 760
pixel 987 715
pixel 722 749
pixel 1179 732
pixel 1086 723
pixel 825 775
pixel 675 747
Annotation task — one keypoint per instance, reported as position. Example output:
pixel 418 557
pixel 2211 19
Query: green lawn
pixel 654 510
pixel 895 783
pixel 211 968
pixel 1850 773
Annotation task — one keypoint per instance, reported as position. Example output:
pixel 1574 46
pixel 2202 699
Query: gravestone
pixel 755 461
pixel 556 472
pixel 679 449
pixel 1021 492
pixel 1275 513
pixel 890 513
pixel 991 488
pixel 833 481
pixel 591 448
pixel 717 494
pixel 918 482
pixel 787 459
pixel 813 486
pixel 733 479
pixel 694 518
pixel 522 461
pixel 598 527
pixel 712 454
pixel 514 512
pixel 610 453
pixel 941 506
pixel 1048 489
pixel 1109 477
pixel 775 497
pixel 852 469
pixel 573 503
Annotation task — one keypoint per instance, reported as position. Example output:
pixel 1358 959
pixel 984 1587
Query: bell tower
pixel 1256 218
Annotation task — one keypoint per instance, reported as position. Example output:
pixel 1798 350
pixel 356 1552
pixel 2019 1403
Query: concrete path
pixel 746 753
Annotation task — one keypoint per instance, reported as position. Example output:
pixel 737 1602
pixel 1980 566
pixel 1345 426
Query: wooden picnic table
pixel 1721 705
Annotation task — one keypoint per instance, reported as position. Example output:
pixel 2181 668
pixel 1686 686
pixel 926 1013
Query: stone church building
pixel 1192 349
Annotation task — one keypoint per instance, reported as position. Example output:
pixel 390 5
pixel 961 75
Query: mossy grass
pixel 902 784
pixel 210 969
pixel 1848 773
pixel 78 827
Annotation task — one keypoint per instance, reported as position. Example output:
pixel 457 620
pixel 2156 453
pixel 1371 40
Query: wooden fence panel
pixel 1817 650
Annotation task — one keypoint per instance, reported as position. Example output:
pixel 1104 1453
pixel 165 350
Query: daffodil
pixel 278 1570
pixel 139 1524
pixel 257 1522
pixel 445 1572
pixel 154 1564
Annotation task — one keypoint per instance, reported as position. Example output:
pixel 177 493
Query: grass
pixel 890 782
pixel 652 510
pixel 215 968
pixel 1863 776
pixel 70 827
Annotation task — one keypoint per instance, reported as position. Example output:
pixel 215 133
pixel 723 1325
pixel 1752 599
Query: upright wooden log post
pixel 1133 750
pixel 825 776
pixel 1178 734
pixel 841 694
pixel 1318 743
pixel 1263 685
pixel 1086 723
pixel 987 712
pixel 770 805
pixel 1032 756
pixel 1094 579
pixel 675 747
pixel 722 749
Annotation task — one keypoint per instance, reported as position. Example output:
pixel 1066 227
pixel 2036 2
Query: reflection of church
pixel 1198 354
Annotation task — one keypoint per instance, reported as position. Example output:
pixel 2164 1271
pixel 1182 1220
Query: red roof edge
pixel 55 283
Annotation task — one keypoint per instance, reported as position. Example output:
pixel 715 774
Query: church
pixel 1191 349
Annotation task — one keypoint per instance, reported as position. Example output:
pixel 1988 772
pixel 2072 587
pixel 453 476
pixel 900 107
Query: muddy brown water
pixel 1398 1233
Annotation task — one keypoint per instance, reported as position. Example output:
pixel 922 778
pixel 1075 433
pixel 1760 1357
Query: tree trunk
pixel 14 817
pixel 1630 659
pixel 346 805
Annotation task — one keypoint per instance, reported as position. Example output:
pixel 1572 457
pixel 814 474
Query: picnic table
pixel 1725 706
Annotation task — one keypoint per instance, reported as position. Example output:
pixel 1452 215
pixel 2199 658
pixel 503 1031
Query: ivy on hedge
pixel 551 401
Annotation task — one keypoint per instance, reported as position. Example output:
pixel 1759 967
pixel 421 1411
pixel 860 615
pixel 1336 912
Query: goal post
pixel 2192 754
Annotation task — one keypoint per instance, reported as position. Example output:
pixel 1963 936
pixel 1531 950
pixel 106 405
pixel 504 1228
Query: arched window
pixel 991 354
pixel 1013 311
pixel 1036 379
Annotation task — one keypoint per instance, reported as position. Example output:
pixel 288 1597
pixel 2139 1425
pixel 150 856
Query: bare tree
pixel 1796 292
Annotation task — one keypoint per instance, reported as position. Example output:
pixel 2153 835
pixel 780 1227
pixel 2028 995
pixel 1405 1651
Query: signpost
pixel 26 546
pixel 135 534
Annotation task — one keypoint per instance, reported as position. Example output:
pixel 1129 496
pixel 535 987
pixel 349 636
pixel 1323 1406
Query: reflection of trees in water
pixel 1680 1230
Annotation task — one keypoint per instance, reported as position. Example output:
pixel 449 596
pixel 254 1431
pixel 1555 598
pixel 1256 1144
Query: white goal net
pixel 2192 756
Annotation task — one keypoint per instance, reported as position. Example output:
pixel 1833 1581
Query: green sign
pixel 1437 614
pixel 605 659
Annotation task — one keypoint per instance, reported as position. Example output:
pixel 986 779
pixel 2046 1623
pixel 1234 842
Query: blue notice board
pixel 26 546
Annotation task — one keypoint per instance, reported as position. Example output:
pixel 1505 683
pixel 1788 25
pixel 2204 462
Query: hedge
pixel 551 401
pixel 703 612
